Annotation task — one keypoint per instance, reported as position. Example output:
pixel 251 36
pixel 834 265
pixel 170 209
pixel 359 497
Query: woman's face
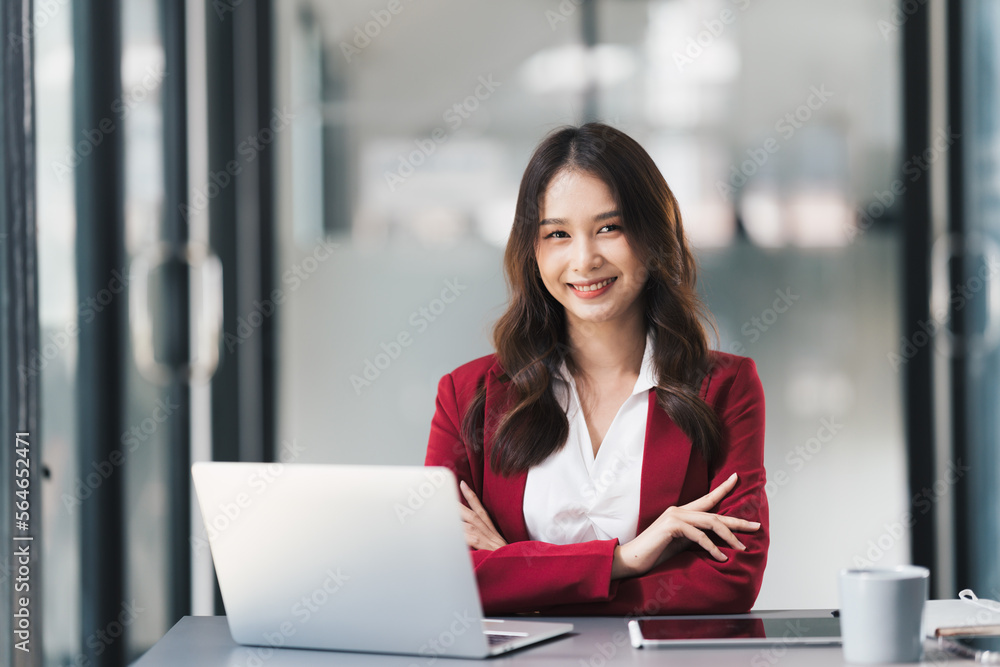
pixel 581 243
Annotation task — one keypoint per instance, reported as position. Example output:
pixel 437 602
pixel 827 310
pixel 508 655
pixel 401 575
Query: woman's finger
pixel 477 538
pixel 739 524
pixel 713 497
pixel 489 537
pixel 473 538
pixel 703 541
pixel 470 517
pixel 476 506
pixel 716 525
pixel 480 531
pixel 719 524
pixel 471 498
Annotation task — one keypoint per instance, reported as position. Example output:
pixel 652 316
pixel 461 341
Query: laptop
pixel 349 558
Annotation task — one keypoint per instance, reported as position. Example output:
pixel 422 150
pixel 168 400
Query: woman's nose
pixel 586 255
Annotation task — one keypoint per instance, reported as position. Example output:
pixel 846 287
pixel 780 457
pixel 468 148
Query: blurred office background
pixel 286 188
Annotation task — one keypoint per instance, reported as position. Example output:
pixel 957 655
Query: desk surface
pixel 594 642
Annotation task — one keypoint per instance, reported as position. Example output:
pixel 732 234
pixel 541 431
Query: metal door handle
pixel 943 292
pixel 205 298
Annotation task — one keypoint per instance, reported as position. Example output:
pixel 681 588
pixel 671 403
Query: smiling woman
pixel 606 454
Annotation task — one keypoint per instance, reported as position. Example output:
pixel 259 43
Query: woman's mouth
pixel 594 289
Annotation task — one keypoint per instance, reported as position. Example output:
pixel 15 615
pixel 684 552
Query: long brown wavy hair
pixel 530 337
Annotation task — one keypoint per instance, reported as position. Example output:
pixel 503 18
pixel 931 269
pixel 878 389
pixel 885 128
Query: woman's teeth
pixel 595 286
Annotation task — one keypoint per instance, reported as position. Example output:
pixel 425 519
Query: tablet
pixel 733 630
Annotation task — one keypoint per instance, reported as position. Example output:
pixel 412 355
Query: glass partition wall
pixel 976 339
pixel 139 450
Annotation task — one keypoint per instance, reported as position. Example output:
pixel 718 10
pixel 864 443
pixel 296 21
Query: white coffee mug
pixel 880 613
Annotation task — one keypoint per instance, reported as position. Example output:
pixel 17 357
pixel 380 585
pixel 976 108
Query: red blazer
pixel 575 579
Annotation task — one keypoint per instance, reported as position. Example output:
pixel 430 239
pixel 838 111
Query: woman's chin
pixel 592 316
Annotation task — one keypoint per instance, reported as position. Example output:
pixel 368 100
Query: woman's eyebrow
pixel 597 218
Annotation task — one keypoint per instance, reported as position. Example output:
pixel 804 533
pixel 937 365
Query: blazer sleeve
pixel 526 575
pixel 693 582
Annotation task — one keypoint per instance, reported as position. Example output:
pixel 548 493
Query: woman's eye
pixel 609 227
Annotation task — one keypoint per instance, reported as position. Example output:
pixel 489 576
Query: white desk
pixel 198 641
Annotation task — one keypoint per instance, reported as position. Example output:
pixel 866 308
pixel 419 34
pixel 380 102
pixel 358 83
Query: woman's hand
pixel 479 530
pixel 678 528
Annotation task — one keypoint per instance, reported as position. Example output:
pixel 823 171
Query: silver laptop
pixel 349 558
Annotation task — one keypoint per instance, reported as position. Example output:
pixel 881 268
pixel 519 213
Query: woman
pixel 608 457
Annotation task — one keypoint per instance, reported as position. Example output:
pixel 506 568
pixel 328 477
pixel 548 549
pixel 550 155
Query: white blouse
pixel 573 496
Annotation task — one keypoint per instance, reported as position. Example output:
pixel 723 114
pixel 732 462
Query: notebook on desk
pixel 349 558
pixel 967 615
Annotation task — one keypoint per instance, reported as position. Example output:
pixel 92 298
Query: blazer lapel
pixel 503 495
pixel 665 458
